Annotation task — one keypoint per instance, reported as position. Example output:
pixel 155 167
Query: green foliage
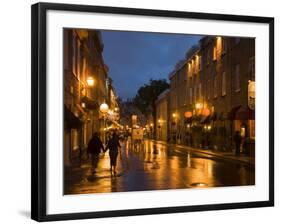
pixel 148 93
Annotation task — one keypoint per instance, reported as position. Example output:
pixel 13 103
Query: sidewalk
pixel 246 160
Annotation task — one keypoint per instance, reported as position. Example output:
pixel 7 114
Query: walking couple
pixel 95 147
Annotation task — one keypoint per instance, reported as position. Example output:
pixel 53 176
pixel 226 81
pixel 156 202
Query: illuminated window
pixel 223 84
pixel 199 63
pixel 215 53
pixel 237 78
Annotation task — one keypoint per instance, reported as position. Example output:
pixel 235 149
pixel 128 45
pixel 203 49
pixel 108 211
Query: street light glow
pixel 198 105
pixel 90 81
pixel 104 108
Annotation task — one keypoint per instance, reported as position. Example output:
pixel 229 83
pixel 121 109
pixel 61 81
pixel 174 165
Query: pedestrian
pixel 237 139
pixel 113 145
pixel 94 149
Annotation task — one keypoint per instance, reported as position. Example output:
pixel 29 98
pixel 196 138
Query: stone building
pixel 162 118
pixel 212 94
pixel 227 71
pixel 178 102
pixel 85 88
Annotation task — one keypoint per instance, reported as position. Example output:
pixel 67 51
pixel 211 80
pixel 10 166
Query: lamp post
pixel 104 109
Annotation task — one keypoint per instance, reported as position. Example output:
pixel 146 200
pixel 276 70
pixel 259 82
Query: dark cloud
pixel 135 57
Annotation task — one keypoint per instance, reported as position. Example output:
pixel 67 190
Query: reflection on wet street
pixel 154 166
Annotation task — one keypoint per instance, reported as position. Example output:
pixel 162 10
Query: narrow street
pixel 155 166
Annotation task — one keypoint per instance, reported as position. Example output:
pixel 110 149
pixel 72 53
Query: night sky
pixel 134 58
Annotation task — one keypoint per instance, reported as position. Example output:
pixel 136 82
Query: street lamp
pixel 90 81
pixel 104 109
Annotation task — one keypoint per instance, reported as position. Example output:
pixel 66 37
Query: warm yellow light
pixel 90 81
pixel 174 115
pixel 103 108
pixel 151 124
pixel 159 121
pixel 198 105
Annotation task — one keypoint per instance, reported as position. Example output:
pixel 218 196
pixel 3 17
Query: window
pixel 252 68
pixel 223 84
pixel 193 67
pixel 189 70
pixel 215 86
pixel 237 78
pixel 215 53
pixel 199 63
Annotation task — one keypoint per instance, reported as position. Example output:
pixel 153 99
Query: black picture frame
pixel 38 108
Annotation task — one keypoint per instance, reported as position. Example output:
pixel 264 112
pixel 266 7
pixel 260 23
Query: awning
pixel 231 114
pixel 71 121
pixel 245 114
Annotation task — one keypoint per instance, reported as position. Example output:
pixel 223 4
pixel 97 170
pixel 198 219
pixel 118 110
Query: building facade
pixel 162 117
pixel 86 87
pixel 212 94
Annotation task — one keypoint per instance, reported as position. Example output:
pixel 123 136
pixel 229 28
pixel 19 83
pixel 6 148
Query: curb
pixel 236 160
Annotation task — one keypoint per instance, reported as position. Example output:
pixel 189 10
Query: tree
pixel 147 95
